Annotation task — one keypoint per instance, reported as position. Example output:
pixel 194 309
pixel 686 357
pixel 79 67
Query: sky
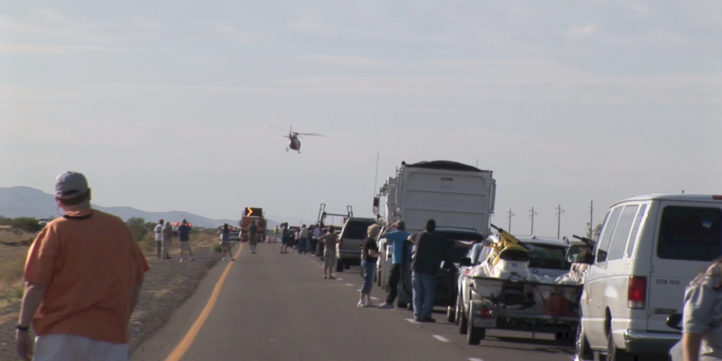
pixel 184 105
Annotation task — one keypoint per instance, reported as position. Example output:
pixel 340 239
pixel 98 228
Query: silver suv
pixel 348 248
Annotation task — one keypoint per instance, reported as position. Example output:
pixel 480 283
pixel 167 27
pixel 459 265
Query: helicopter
pixel 295 143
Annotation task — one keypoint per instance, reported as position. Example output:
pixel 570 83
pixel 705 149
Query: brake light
pixel 340 242
pixel 637 292
pixel 717 197
pixel 485 312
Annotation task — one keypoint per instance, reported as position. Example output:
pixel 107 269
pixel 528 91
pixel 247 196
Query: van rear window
pixel 690 233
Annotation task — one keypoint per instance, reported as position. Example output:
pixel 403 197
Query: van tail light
pixel 340 242
pixel 485 312
pixel 637 292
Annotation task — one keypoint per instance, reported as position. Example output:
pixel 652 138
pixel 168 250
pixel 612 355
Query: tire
pixel 339 265
pixel 582 351
pixel 615 354
pixel 450 314
pixel 463 323
pixel 474 335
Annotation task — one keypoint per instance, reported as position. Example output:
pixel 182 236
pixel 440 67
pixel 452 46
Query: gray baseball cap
pixel 69 185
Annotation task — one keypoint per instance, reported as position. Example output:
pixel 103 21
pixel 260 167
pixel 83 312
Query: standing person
pixel 317 233
pixel 398 237
pixel 184 233
pixel 369 256
pixel 303 240
pixel 252 236
pixel 297 240
pixel 701 328
pixel 167 238
pixel 429 248
pixel 83 275
pixel 329 252
pixel 158 230
pixel 285 237
pixel 225 237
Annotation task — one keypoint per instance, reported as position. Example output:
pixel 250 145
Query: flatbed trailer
pixel 522 305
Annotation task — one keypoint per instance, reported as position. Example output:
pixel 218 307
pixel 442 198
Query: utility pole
pixel 532 213
pixel 509 215
pixel 559 219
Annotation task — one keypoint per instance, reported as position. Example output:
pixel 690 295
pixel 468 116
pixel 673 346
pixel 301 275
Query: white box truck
pixel 455 195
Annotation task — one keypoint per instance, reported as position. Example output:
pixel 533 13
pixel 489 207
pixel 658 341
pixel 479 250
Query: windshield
pixel 543 256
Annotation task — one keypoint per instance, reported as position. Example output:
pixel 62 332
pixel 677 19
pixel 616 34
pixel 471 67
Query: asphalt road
pixel 270 306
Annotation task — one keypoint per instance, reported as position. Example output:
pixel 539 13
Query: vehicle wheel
pixel 615 354
pixel 474 335
pixel 339 266
pixel 581 346
pixel 462 321
pixel 450 313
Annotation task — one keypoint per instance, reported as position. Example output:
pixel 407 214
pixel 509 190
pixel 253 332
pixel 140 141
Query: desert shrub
pixel 137 228
pixel 28 224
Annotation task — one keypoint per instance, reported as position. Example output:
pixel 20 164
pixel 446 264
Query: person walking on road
pixel 398 236
pixel 329 252
pixel 429 249
pixel 158 230
pixel 253 236
pixel 369 256
pixel 184 233
pixel 83 274
pixel 167 238
pixel 225 235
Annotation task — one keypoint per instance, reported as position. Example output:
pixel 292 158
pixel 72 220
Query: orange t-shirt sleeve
pixel 41 257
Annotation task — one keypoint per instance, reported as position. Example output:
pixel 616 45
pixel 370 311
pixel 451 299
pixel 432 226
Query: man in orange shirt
pixel 82 280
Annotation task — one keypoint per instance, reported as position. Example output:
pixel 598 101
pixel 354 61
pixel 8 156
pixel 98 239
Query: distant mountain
pixel 30 202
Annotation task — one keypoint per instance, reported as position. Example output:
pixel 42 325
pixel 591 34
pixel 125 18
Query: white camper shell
pixel 453 194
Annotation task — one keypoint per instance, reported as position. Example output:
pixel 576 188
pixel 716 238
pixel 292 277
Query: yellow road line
pixel 180 350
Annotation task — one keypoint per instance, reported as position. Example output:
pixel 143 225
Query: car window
pixel 621 232
pixel 607 232
pixel 457 251
pixel 356 229
pixel 635 229
pixel 544 256
pixel 690 233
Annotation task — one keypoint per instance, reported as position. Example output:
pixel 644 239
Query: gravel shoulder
pixel 165 287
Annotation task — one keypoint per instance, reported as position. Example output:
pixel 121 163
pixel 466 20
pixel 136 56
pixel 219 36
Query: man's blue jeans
pixel 423 286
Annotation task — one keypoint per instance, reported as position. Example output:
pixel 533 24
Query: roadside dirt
pixel 167 285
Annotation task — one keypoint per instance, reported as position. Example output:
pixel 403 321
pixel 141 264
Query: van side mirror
pixel 601 255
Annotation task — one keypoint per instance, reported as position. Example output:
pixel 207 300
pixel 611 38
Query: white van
pixel 649 248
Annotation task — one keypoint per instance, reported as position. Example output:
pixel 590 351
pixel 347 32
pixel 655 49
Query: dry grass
pixel 13 248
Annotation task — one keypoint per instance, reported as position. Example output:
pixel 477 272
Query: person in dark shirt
pixel 369 256
pixel 429 249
